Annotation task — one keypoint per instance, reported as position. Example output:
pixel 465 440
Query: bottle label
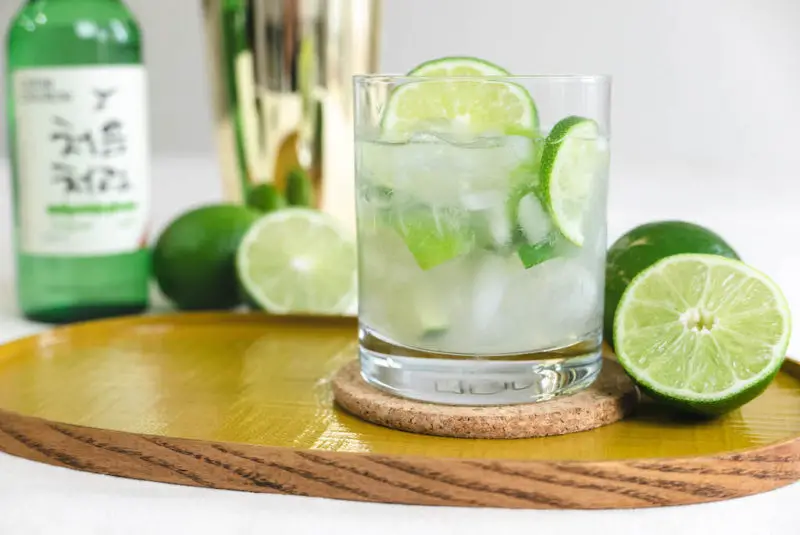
pixel 82 160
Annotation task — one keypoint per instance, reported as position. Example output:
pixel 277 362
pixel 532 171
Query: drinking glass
pixel 481 249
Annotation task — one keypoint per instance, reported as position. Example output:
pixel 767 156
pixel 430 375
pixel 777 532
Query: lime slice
pixel 702 332
pixel 298 260
pixel 458 66
pixel 571 158
pixel 449 119
pixel 459 105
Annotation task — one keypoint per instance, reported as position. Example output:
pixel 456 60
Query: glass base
pixel 467 380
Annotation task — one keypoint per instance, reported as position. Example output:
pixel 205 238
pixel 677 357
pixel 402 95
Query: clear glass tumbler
pixel 481 215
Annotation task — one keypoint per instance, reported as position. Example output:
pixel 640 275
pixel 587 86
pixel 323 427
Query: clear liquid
pixel 480 316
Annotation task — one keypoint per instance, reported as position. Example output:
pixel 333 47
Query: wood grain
pixel 609 399
pixel 243 402
pixel 405 480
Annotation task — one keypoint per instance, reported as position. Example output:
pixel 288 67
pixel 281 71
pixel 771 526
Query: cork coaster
pixel 609 399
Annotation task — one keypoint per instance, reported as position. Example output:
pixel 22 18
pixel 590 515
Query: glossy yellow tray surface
pixel 249 378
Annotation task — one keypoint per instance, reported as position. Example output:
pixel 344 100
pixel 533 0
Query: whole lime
pixel 645 245
pixel 265 198
pixel 299 191
pixel 194 259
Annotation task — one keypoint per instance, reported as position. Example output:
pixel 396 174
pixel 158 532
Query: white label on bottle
pixel 82 160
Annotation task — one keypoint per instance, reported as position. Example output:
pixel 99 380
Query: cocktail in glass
pixel 481 208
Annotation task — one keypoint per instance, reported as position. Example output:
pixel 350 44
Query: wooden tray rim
pixel 401 479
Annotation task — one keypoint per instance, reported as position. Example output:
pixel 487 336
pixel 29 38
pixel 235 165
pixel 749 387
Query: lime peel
pixel 570 160
pixel 458 66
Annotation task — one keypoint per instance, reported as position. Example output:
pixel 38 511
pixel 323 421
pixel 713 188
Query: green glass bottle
pixel 78 141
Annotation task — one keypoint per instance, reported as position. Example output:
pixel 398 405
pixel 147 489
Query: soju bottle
pixel 78 135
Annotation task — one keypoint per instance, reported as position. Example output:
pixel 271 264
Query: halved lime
pixel 702 332
pixel 457 105
pixel 458 66
pixel 298 260
pixel 571 158
pixel 643 246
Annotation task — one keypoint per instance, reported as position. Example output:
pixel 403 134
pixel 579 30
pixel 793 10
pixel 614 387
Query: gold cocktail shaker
pixel 281 75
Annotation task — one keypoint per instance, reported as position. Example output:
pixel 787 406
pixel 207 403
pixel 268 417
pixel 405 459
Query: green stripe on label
pixel 73 209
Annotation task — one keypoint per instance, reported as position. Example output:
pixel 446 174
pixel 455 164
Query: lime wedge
pixel 702 332
pixel 571 158
pixel 458 66
pixel 298 260
pixel 459 105
pixel 434 235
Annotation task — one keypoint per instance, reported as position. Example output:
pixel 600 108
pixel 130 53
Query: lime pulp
pixel 570 161
pixel 299 261
pixel 702 332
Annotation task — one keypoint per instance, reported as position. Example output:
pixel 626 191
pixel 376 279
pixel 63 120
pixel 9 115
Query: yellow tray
pixel 243 401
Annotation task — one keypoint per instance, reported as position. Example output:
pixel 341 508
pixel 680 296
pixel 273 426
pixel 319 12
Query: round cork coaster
pixel 609 399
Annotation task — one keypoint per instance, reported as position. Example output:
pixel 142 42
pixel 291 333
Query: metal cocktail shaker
pixel 281 76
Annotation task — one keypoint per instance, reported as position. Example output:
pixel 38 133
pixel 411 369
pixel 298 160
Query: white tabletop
pixel 761 223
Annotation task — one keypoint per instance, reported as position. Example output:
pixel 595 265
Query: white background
pixel 706 103
pixel 713 83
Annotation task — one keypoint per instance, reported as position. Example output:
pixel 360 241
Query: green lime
pixel 537 239
pixel 194 257
pixel 646 244
pixel 571 159
pixel 459 104
pixel 265 198
pixel 299 191
pixel 702 332
pixel 434 235
pixel 300 261
pixel 458 66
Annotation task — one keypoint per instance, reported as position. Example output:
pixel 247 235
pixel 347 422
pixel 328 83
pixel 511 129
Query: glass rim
pixel 574 78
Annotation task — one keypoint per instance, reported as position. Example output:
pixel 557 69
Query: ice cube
pixel 533 219
pixel 456 134
pixel 482 200
pixel 499 227
pixel 492 278
pixel 431 134
pixel 488 218
pixel 565 294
